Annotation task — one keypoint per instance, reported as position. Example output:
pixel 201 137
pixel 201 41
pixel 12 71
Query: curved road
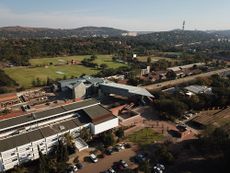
pixel 172 83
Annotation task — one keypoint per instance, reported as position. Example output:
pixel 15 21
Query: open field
pixel 154 58
pixel 145 136
pixel 106 59
pixel 25 75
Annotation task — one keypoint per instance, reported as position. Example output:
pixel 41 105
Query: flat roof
pixel 16 120
pixel 35 135
pixel 64 126
pixel 177 68
pixel 13 142
pixel 130 89
pixel 47 131
pixel 28 118
pixel 197 89
pixel 95 112
pixel 98 114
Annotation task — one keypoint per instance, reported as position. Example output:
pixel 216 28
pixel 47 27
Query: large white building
pixel 20 137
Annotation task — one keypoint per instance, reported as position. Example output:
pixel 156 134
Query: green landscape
pixel 41 68
pixel 154 58
pixel 145 136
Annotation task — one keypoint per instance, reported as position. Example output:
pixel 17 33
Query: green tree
pixel 108 139
pixel 62 154
pixel 145 167
pixel 149 60
pixel 34 83
pixel 69 140
pixel 64 77
pixel 171 75
pixel 20 169
pixel 62 157
pixel 85 134
pixel 93 57
pixel 103 66
pixel 163 155
pixel 120 133
pixel 49 81
pixel 43 163
pixel 38 82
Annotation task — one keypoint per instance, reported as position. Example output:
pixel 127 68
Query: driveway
pixel 107 162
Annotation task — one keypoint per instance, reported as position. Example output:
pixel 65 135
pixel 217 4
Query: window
pixel 12 154
pixel 13 160
pixel 54 139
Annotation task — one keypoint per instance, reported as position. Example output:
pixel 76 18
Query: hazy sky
pixel 134 15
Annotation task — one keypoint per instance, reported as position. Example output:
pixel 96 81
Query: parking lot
pixel 107 162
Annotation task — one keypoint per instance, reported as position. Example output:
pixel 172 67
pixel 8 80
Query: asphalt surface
pixel 105 163
pixel 172 83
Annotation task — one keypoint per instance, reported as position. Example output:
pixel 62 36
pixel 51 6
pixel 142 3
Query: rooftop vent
pixel 61 127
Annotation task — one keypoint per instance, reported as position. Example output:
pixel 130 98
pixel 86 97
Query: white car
pixel 111 170
pixel 157 170
pixel 124 164
pixel 162 167
pixel 75 169
pixel 122 147
pixel 93 157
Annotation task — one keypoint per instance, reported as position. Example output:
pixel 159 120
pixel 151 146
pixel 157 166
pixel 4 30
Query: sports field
pixel 25 75
pixel 106 59
pixel 154 58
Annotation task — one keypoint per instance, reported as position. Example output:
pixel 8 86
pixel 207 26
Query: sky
pixel 132 15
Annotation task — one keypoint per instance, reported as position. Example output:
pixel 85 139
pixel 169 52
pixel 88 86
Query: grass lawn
pixel 145 136
pixel 25 75
pixel 154 58
pixel 106 59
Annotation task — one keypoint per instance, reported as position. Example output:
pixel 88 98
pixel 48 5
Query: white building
pixel 21 137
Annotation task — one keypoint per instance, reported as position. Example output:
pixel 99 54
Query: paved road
pixel 171 83
pixel 106 163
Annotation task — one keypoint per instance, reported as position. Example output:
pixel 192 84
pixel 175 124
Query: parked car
pixel 74 167
pixel 109 151
pixel 93 157
pixel 111 170
pixel 69 170
pixel 140 158
pixel 182 128
pixel 79 165
pixel 158 168
pixel 123 163
pixel 119 147
pixel 161 166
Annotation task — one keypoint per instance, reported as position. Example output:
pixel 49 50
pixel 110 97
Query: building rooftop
pixel 197 89
pixel 35 135
pixel 133 90
pixel 85 79
pixel 51 113
pixel 95 114
pixel 178 68
pixel 13 142
pixel 96 111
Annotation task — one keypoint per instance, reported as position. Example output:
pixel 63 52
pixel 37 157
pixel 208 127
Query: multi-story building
pixel 21 137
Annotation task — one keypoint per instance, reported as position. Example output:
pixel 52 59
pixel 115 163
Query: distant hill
pixel 223 33
pixel 177 37
pixel 29 32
